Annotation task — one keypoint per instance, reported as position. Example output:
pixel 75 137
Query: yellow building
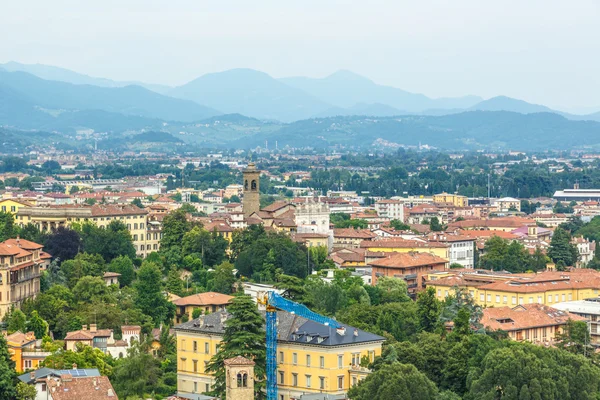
pixel 406 246
pixel 146 236
pixel 208 302
pixel 312 358
pixel 13 205
pixel 506 290
pixel 312 239
pixel 23 351
pixel 454 199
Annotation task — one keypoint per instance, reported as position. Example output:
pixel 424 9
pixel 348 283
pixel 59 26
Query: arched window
pixel 246 185
pixel 239 380
pixel 245 380
pixel 242 379
pixel 253 185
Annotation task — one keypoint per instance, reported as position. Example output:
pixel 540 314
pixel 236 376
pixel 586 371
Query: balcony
pixel 24 279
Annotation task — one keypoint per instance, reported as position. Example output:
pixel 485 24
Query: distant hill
pixel 461 131
pixel 53 73
pixel 503 103
pixel 345 89
pixel 129 100
pixel 252 93
pixel 374 110
pixel 155 137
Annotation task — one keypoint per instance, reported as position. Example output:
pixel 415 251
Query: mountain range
pixel 258 95
pixel 245 108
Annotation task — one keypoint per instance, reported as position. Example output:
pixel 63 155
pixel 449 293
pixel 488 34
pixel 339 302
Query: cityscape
pixel 294 236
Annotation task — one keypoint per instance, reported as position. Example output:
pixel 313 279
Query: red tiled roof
pixel 402 244
pixel 353 233
pixel 201 299
pixel 407 260
pixel 525 316
pixel 87 388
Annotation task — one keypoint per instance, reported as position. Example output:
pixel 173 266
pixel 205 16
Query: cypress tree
pixel 244 336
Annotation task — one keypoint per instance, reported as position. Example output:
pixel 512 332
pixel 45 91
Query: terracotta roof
pixel 9 250
pixel 77 388
pixel 201 299
pixel 284 222
pixel 238 360
pixel 407 260
pixel 488 234
pixel 401 243
pixel 421 228
pixel 101 210
pixel 111 275
pixel 353 233
pixel 87 334
pixel 525 316
pixel 275 206
pixel 515 222
pixel 21 338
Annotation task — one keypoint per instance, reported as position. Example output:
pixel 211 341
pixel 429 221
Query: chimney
pixel 84 328
pixel 223 317
pixel 341 331
pixel 355 332
pixel 94 382
pixel 18 241
pixel 32 375
pixel 74 366
pixel 93 328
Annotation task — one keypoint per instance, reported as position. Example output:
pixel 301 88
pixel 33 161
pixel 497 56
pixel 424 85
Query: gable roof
pixel 525 316
pixel 408 260
pixel 203 299
pixel 88 388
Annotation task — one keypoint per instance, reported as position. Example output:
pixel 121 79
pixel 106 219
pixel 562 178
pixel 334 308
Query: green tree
pixel 110 242
pixel 243 336
pixel 84 356
pixel 124 266
pixel 435 225
pixel 429 309
pixel 292 286
pixel 175 226
pixel 561 249
pixel 575 338
pixel 7 372
pixel 223 278
pixel 89 289
pixel 395 381
pixel 392 289
pixel 8 229
pixel 63 243
pixel 174 282
pixel 137 203
pixel 208 246
pixel 16 321
pixel 150 296
pixel 37 325
pixel 399 225
pixel 82 265
pixel 25 391
pixel 138 374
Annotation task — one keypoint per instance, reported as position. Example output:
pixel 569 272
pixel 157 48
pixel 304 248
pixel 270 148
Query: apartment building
pixel 454 199
pixel 311 357
pixel 391 209
pixel 20 262
pixel 589 309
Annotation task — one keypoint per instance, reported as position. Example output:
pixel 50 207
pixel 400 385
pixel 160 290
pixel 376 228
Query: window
pixel 195 387
pixel 549 298
pixel 531 300
pixel 520 300
pixel 308 361
pixel 563 297
pixel 195 362
pixel 135 226
pixel 504 299
pixel 514 299
pixel 353 380
pixel 195 346
pixel 206 349
pixel 489 298
pixel 540 299
pixel 439 292
pixel 281 376
pixel 340 382
pixel 242 380
pixel 295 358
pixel 43 387
pixel 556 298
pixel 294 380
pixel 340 361
pixel 482 297
pixel 497 298
pixel 308 381
pixel 322 382
pixel 281 357
pixel 322 362
pixel 206 387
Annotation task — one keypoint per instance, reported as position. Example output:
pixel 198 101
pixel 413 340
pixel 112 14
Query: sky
pixel 541 51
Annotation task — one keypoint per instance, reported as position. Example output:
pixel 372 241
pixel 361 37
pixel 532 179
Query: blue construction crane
pixel 275 302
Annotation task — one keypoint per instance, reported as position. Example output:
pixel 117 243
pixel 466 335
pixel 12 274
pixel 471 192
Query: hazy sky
pixel 544 51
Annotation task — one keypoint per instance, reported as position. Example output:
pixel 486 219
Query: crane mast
pixel 274 302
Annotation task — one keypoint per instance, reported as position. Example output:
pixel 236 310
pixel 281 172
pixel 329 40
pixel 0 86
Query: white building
pixel 392 209
pixel 312 217
pixel 589 309
pixel 461 248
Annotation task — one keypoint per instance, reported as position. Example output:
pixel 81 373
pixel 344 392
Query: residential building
pixel 40 377
pixel 393 245
pixel 67 387
pixel 311 357
pixel 111 278
pixel 350 237
pixel 312 239
pixel 208 302
pixel 586 249
pixel 454 199
pixel 391 209
pixel 20 263
pixel 588 309
pixel 348 257
pixel 505 289
pixel 49 218
pixel 506 204
pixel 425 212
pixel 461 248
pixel 535 323
pixel 25 350
pixel 413 267
pixel 93 337
pixel 312 217
pixel 506 224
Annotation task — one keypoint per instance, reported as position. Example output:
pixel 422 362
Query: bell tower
pixel 251 201
pixel 239 372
